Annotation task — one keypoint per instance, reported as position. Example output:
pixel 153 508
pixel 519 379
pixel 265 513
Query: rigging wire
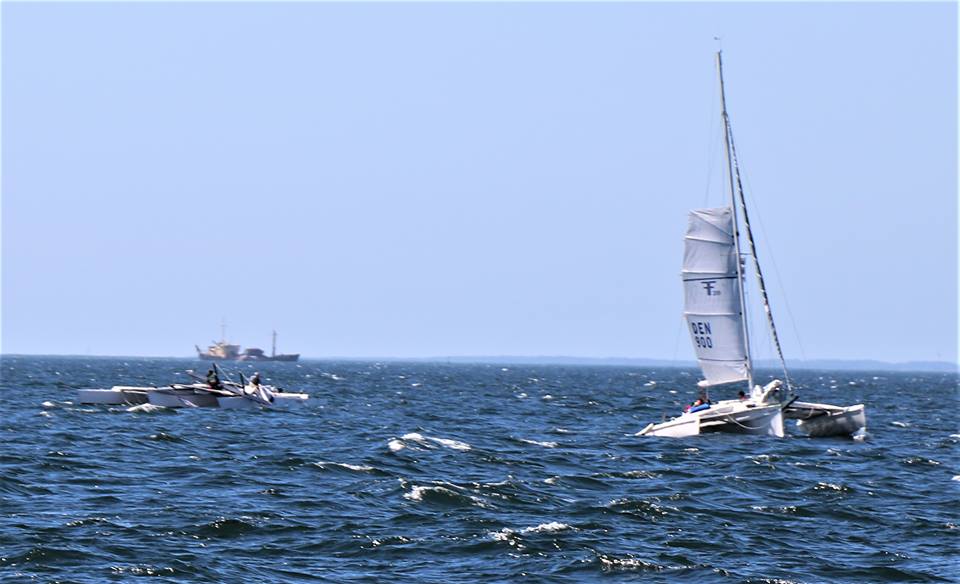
pixel 753 249
pixel 773 261
pixel 713 143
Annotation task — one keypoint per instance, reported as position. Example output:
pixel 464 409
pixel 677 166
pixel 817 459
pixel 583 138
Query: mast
pixel 273 352
pixel 732 163
pixel 223 330
pixel 727 138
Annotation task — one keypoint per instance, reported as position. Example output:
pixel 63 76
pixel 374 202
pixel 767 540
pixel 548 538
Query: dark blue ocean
pixel 432 472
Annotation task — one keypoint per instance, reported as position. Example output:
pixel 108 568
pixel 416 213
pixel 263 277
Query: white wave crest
pixel 454 444
pixel 147 408
pixel 348 466
pixel 538 443
pixel 426 441
pixel 552 527
pixel 417 493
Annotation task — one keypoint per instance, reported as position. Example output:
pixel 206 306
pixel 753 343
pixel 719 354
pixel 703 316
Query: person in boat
pixel 742 396
pixel 703 399
pixel 213 380
pixel 255 380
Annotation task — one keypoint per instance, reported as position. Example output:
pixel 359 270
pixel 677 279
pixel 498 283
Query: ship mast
pixel 727 139
pixel 273 352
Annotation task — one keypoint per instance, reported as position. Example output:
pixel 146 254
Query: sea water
pixel 433 472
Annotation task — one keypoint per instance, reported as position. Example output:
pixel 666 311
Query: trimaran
pixel 715 314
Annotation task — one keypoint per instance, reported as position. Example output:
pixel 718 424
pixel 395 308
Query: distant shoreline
pixel 809 364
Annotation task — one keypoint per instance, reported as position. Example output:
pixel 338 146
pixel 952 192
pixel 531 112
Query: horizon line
pixel 551 360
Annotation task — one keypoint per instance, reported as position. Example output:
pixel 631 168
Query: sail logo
pixel 710 287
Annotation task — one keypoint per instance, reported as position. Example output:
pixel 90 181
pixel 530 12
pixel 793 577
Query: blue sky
pixel 470 179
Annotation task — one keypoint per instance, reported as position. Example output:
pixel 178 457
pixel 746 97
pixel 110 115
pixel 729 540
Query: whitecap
pixel 348 466
pixel 48 404
pixel 547 397
pixel 145 408
pixel 650 384
pixel 521 395
pixel 551 527
pixel 551 480
pixel 901 424
pixel 505 534
pixel 426 441
pixel 538 443
pixel 455 444
pixel 955 478
pixel 416 493
pixel 415 384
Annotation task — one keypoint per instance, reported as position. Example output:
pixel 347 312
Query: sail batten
pixel 712 307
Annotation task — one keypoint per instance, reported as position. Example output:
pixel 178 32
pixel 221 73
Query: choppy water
pixel 401 472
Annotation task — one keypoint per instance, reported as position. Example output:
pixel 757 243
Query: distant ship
pixel 224 351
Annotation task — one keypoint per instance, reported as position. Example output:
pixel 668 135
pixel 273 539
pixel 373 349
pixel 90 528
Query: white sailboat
pixel 715 314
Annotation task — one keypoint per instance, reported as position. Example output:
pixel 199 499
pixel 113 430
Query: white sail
pixel 712 296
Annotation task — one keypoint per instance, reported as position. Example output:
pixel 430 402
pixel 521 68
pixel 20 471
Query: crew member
pixel 213 380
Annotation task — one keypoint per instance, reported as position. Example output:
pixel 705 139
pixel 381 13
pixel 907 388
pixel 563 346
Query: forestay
pixel 712 296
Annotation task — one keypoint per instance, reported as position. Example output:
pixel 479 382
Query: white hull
pixel 117 395
pixel 727 416
pixel 182 399
pixel 819 420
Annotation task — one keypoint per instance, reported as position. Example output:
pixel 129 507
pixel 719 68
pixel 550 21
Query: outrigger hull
pixel 822 420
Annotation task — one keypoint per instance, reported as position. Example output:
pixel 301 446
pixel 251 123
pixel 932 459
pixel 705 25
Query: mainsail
pixel 712 296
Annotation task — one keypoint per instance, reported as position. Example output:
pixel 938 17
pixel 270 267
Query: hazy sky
pixel 470 179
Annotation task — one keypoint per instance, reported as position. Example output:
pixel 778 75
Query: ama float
pixel 714 309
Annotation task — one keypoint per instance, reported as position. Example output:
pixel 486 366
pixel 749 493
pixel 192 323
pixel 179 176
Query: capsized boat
pixel 223 394
pixel 714 311
pixel 116 395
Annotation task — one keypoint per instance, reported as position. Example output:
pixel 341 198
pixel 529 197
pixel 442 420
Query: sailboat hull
pixel 730 417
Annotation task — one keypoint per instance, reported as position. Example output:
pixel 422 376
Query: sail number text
pixel 701 334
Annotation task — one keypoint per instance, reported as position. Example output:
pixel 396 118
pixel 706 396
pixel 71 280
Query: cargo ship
pixel 224 351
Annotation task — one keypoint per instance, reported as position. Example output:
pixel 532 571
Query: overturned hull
pixel 180 398
pixel 117 395
pixel 823 420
